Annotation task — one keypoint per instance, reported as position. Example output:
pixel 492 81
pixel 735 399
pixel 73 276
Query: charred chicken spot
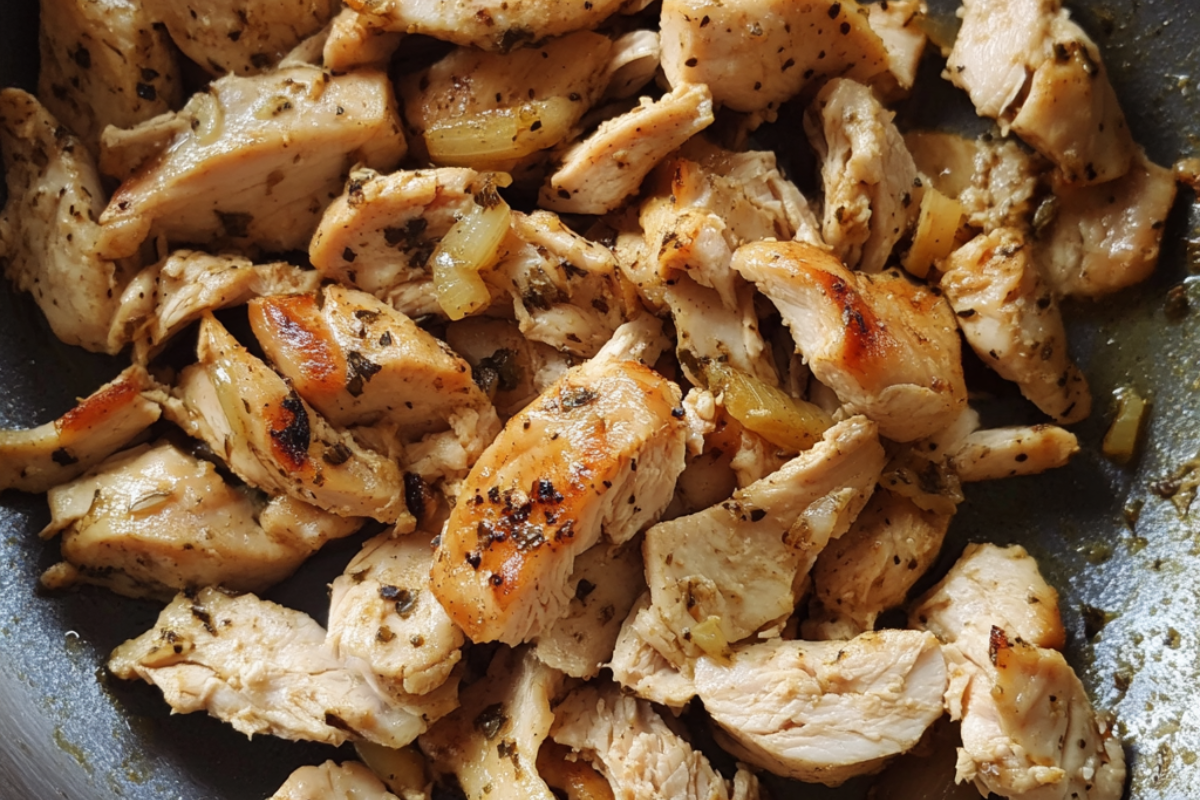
pixel 292 440
pixel 544 492
pixel 474 558
pixel 584 588
pixel 336 454
pixel 997 644
pixel 359 369
pixel 416 494
pixel 405 600
pixel 204 618
pixel 576 397
pixel 63 457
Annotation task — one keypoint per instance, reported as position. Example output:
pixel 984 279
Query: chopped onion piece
pixel 403 769
pixel 472 244
pixel 768 411
pixel 709 637
pixel 1120 443
pixel 495 137
pixel 940 219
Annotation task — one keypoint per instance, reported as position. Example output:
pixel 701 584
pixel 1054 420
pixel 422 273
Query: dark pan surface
pixel 66 730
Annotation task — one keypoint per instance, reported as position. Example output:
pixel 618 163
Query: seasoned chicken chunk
pixel 872 188
pixel 167 296
pixel 274 440
pixel 37 459
pixel 825 711
pixel 755 54
pixel 888 348
pixel 330 781
pixel 631 745
pixel 153 520
pixel 1011 319
pixel 1004 452
pixel 104 63
pixel 597 453
pixel 48 229
pixel 639 667
pixel 870 569
pixel 265 669
pixel 485 24
pixel 257 161
pixel 597 174
pixel 382 614
pixel 1107 237
pixel 898 25
pixel 1027 65
pixel 732 569
pixel 354 43
pixel 633 63
pixel 243 37
pixel 490 744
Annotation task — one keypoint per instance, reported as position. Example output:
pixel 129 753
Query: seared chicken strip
pixel 1027 726
pixel 257 160
pixel 872 188
pixel 154 520
pixel 597 174
pixel 274 440
pixel 104 64
pixel 1010 317
pixel 1005 452
pixel 330 781
pixel 1027 65
pixel 634 749
pixel 597 453
pixel 736 567
pixel 872 567
pixel 825 711
pixel 37 459
pixel 491 743
pixel 354 43
pixel 48 229
pixel 265 669
pixel 1105 238
pixel 889 349
pixel 240 37
pixel 382 614
pixel 484 24
pixel 755 54
pixel 164 298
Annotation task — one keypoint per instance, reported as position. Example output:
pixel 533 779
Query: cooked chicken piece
pixel 265 669
pixel 48 230
pixel 274 440
pixel 403 770
pixel 872 188
pixel 1011 319
pixel 897 23
pixel 104 64
pixel 1027 725
pixel 633 63
pixel 37 459
pixel 258 161
pixel 755 54
pixel 713 443
pixel 1029 67
pixel 872 567
pixel 710 331
pixel 597 453
pixel 484 24
pixel 1105 238
pixel 164 298
pixel 460 107
pixel 598 173
pixel 330 781
pixel 631 745
pixel 235 36
pixel 639 667
pixel 606 582
pixel 153 520
pixel 825 711
pixel 734 568
pixel 491 742
pixel 888 348
pixel 996 181
pixel 359 362
pixel 1004 452
pixel 382 614
pixel 509 367
pixel 353 43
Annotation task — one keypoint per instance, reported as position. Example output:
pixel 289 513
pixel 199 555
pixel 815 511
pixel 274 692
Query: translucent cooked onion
pixel 493 138
pixel 1120 443
pixel 471 245
pixel 770 412
pixel 710 638
pixel 403 769
pixel 577 779
pixel 936 229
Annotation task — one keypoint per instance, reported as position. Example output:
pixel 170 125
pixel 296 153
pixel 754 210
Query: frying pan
pixel 1124 559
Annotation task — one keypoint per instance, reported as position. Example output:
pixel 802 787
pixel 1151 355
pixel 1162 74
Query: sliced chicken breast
pixel 331 781
pixel 888 348
pixel 40 458
pixel 257 161
pixel 265 669
pixel 825 711
pixel 1005 452
pixel 1011 319
pixel 48 229
pixel 153 520
pixel 383 616
pixel 597 453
